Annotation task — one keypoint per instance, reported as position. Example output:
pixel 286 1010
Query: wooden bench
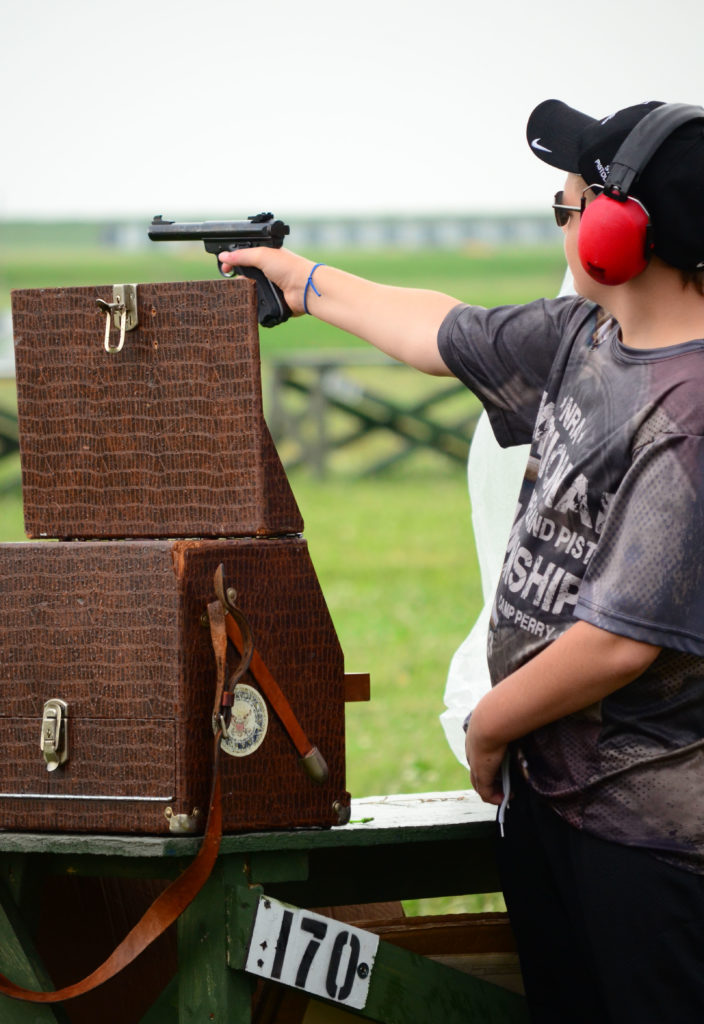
pixel 394 848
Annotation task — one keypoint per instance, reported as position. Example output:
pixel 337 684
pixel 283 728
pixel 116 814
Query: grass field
pixel 394 554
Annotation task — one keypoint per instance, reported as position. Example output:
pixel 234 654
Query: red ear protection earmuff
pixel 615 241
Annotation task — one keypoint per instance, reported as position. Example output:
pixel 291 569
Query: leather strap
pixel 173 901
pixel 218 635
pixel 311 757
pixel 240 634
pixel 271 690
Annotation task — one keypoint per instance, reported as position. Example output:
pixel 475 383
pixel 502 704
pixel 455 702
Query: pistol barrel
pixel 262 229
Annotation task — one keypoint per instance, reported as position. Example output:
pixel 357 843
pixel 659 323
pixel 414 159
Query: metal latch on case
pixel 122 312
pixel 54 739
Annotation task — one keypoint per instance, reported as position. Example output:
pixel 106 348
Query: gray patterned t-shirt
pixel 609 529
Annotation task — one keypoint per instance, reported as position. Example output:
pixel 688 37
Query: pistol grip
pixel 272 308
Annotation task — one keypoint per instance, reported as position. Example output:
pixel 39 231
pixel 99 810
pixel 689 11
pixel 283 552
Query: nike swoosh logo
pixel 535 144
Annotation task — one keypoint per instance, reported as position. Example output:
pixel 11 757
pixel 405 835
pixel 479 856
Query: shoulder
pixel 544 315
pixel 673 380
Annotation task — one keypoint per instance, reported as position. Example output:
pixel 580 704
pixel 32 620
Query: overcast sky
pixel 221 108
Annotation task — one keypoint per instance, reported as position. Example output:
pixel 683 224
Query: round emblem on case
pixel 249 719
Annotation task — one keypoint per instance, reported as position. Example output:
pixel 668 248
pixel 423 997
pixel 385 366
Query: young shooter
pixel 596 643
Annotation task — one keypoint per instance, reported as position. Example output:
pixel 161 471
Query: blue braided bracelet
pixel 310 284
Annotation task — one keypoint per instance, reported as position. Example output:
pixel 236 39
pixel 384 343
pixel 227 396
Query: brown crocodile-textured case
pixel 115 630
pixel 165 438
pixel 152 466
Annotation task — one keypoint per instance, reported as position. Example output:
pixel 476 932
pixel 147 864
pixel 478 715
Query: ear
pixel 614 242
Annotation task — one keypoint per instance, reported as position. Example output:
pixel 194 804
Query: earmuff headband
pixel 643 141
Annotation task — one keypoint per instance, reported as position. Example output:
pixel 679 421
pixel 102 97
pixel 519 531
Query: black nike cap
pixel 671 186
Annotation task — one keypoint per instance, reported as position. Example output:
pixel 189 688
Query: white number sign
pixel 322 956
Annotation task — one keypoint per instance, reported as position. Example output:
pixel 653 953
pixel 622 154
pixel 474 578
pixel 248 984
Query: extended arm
pixel 403 322
pixel 581 667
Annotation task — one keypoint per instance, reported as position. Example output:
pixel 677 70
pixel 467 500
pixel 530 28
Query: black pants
pixel 607 934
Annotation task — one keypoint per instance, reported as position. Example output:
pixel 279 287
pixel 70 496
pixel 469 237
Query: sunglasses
pixel 562 212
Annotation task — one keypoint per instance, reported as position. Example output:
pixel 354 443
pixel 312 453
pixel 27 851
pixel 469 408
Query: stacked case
pixel 143 470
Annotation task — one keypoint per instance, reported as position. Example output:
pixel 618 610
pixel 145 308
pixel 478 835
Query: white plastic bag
pixel 495 476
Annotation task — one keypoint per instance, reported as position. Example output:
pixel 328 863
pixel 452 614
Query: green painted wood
pixel 208 990
pixel 241 908
pixel 406 988
pixel 410 989
pixel 14 871
pixel 389 851
pixel 375 821
pixel 395 847
pixel 92 865
pixel 20 874
pixel 284 866
pixel 19 962
pixel 377 874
